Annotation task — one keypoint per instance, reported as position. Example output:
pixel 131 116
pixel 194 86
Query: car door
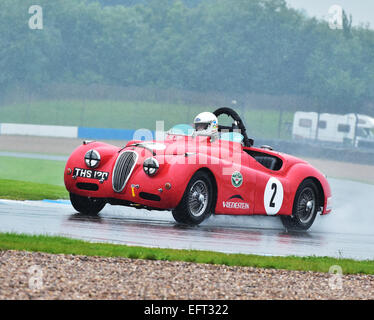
pixel 236 187
pixel 271 189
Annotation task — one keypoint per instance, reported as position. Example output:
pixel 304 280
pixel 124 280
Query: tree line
pixel 241 46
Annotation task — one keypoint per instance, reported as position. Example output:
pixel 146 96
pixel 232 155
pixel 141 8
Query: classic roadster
pixel 195 176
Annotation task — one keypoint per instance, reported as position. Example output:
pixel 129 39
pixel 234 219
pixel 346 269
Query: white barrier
pixel 38 130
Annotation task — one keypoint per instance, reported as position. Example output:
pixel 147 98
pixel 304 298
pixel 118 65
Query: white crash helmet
pixel 206 124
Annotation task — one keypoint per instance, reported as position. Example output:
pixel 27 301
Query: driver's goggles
pixel 201 126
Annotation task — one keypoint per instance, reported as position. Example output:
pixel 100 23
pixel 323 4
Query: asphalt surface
pixel 347 232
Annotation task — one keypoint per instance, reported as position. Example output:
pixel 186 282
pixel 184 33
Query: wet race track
pixel 348 232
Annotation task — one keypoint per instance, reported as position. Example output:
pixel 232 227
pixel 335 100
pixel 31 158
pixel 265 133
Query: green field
pixel 31 179
pixel 24 190
pixel 32 170
pixel 59 245
pixel 133 115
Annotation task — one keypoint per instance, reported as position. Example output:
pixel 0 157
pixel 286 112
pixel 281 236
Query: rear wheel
pixel 305 207
pixel 196 203
pixel 87 206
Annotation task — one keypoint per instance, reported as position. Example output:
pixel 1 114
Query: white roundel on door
pixel 273 196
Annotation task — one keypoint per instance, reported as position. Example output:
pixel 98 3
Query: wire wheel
pixel 197 201
pixel 306 205
pixel 198 198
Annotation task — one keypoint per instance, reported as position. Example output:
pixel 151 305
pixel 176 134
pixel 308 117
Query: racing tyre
pixel 305 207
pixel 87 206
pixel 196 203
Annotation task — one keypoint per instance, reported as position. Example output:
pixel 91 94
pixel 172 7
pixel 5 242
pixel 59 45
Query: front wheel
pixel 87 206
pixel 196 203
pixel 305 207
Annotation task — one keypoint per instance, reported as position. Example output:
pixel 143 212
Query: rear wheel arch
pixel 305 206
pixel 301 172
pixel 321 193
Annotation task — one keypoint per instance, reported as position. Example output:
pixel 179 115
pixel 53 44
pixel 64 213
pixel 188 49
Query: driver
pixel 206 124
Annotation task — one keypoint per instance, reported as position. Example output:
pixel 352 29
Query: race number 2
pixel 273 196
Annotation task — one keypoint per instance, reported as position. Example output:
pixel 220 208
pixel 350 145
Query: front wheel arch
pixel 215 188
pixel 86 205
pixel 183 213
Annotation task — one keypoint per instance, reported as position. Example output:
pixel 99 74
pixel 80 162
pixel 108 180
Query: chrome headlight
pixel 92 159
pixel 151 166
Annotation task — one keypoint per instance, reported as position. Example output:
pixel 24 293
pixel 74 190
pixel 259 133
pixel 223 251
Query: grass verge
pixel 22 190
pixel 60 245
pixel 32 170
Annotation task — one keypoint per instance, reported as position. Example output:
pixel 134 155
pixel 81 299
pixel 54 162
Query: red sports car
pixel 195 176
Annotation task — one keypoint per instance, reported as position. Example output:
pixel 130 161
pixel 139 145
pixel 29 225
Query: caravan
pixel 353 129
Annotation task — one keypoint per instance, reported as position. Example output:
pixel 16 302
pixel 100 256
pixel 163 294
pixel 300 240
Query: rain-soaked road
pixel 347 232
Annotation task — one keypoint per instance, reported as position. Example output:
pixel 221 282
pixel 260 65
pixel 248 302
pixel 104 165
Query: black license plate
pixel 91 174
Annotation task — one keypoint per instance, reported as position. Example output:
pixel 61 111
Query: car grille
pixel 123 168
